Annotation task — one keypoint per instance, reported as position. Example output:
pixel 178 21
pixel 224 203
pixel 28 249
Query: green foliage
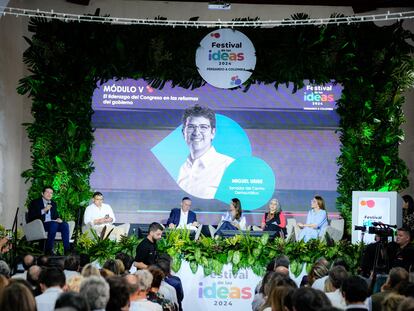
pixel 66 60
pixel 242 251
pixel 102 248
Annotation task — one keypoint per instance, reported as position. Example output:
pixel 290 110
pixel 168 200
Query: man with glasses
pixel 99 215
pixel 203 169
pixel 45 209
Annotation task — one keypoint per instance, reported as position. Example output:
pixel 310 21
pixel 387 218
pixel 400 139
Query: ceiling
pixel 358 6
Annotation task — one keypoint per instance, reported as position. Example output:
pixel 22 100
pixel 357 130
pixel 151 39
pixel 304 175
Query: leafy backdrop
pixel 66 60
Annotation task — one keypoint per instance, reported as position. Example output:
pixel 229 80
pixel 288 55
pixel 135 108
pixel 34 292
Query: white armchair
pixel 35 231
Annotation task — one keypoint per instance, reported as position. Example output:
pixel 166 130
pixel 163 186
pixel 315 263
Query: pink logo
pixel 149 89
pixel 369 203
pixel 215 35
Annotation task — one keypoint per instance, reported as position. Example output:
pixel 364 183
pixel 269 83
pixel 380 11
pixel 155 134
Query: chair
pixel 34 231
pixel 291 229
pixel 336 229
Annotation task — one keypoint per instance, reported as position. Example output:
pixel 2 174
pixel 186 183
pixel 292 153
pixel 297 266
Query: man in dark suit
pixel 183 217
pixel 46 210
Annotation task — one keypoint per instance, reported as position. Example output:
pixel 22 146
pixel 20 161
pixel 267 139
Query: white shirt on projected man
pixel 201 177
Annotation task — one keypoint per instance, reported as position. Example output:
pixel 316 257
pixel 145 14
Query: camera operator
pixel 404 253
pixel 381 256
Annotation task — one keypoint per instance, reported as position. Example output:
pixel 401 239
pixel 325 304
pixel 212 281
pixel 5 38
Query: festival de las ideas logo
pixel 226 58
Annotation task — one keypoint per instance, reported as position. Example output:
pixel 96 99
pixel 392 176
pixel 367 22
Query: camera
pixel 381 231
pixel 378 228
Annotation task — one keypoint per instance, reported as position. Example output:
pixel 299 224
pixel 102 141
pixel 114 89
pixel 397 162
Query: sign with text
pixel 225 291
pixel 226 58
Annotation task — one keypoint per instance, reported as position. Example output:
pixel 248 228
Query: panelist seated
pixel 46 210
pixel 232 220
pixel 273 219
pixel 99 215
pixel 183 218
pixel 316 221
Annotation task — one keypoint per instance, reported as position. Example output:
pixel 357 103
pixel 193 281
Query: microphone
pixel 49 203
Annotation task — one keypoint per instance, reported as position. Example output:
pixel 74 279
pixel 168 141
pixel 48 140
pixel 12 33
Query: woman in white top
pixel 233 220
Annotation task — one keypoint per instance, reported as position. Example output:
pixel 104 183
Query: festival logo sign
pixel 373 209
pixel 320 97
pixel 226 58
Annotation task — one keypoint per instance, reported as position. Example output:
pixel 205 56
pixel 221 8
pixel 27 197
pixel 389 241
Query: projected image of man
pixel 203 169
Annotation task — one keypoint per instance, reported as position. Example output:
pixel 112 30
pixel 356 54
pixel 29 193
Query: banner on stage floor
pixel 224 291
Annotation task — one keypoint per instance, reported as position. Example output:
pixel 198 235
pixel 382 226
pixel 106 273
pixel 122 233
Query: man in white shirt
pixel 201 173
pixel 99 215
pixel 52 281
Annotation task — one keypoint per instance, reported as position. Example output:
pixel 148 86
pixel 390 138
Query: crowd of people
pixel 72 283
pixel 145 282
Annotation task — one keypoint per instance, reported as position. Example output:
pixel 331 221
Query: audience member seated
pixel 72 300
pixel 164 262
pixel 276 298
pixel 161 291
pixel 318 270
pixel 308 299
pixel 71 266
pixel 233 220
pixel 139 299
pixel 28 261
pixel 337 275
pixel 32 277
pixel 316 221
pixel 396 277
pixel 4 269
pixel 96 292
pixel 114 266
pixel 126 260
pixel 274 219
pixel 45 209
pixel 118 294
pixel 183 218
pixel 320 283
pixel 17 297
pixel 355 291
pixel 73 283
pixel 52 281
pixel 99 215
pixel 89 270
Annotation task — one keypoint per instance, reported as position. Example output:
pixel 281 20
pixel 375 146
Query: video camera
pixel 378 228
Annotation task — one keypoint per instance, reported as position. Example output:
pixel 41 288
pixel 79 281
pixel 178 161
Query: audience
pixel 337 275
pixel 118 294
pixel 154 294
pixel 164 262
pixel 96 292
pixel 72 300
pixel 52 282
pixel 355 292
pixel 17 297
pixel 139 300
